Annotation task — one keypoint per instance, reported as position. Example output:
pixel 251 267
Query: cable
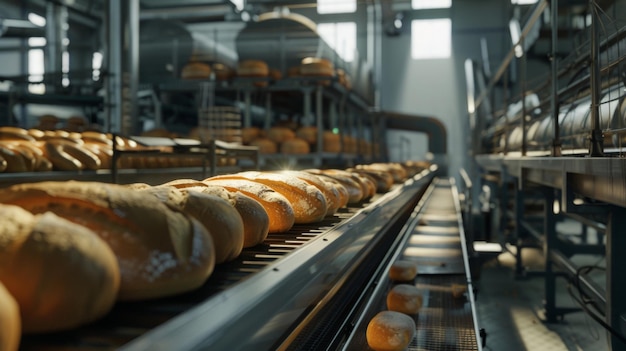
pixel 584 301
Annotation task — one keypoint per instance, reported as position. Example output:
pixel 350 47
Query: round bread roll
pixel 61 274
pixel 217 215
pixel 10 323
pixel 160 252
pixel 280 134
pixel 390 331
pixel 403 271
pixel 332 142
pixel 278 208
pixel 253 68
pixel 314 66
pixel 256 222
pixel 266 146
pixel 249 134
pixel 295 146
pixel 308 133
pixel 222 72
pixel 404 298
pixel 196 70
pixel 308 202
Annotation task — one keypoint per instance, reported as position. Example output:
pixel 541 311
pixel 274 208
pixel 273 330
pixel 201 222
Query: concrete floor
pixel 509 309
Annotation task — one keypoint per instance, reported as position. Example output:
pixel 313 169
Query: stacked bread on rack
pixel 89 244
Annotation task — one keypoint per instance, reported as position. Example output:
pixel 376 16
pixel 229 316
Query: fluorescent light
pixel 523 2
pixel 238 4
pixel 336 6
pixel 431 4
pixel 516 34
pixel 36 19
pixel 431 38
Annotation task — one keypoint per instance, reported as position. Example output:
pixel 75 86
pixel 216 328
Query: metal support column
pixel 596 140
pixel 550 243
pixel 56 42
pixel 554 103
pixel 247 101
pixel 122 66
pixel 319 122
pixel 615 282
pixel 519 231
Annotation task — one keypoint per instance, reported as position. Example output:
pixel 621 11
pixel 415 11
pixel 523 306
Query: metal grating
pixel 445 322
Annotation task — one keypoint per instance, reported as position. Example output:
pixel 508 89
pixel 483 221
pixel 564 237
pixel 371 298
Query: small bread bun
pixel 11 325
pixel 404 298
pixel 61 274
pixel 249 134
pixel 403 271
pixel 332 142
pixel 295 146
pixel 160 252
pixel 60 158
pixel 253 68
pixel 217 215
pixel 390 331
pixel 222 72
pixel 280 134
pixel 266 146
pixel 308 133
pixel 314 66
pixel 196 70
pixel 278 208
pixel 308 202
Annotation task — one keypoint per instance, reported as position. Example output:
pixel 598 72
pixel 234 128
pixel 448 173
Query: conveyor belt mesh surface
pixel 445 321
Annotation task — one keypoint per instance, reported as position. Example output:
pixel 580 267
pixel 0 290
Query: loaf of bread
pixel 331 192
pixel 255 219
pixel 314 66
pixel 160 251
pixel 332 142
pixel 354 189
pixel 403 271
pixel 249 134
pixel 308 202
pixel 308 133
pixel 10 322
pixel 278 208
pixel 404 298
pixel 16 161
pixel 61 274
pixel 390 331
pixel 218 216
pixel 222 72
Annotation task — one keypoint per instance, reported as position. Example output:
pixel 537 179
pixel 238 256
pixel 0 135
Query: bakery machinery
pixel 556 155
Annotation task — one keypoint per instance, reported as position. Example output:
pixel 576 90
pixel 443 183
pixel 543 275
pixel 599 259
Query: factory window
pixel 431 4
pixel 431 38
pixel 36 68
pixel 238 4
pixel 335 6
pixel 341 37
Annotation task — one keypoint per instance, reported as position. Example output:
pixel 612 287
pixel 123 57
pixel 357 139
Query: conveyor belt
pixel 434 239
pixel 250 302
